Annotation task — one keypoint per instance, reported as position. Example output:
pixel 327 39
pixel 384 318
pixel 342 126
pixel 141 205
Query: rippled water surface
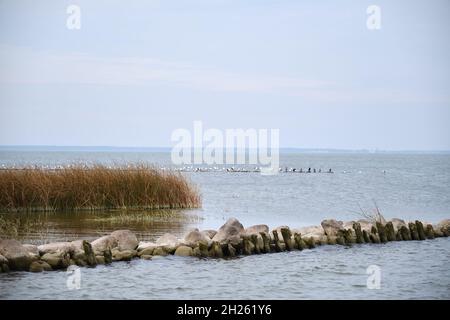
pixel 406 186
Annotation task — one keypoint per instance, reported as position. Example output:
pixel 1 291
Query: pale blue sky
pixel 137 70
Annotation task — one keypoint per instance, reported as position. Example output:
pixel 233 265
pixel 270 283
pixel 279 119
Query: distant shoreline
pixel 43 148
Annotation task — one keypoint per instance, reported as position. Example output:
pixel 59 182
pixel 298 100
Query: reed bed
pixel 94 188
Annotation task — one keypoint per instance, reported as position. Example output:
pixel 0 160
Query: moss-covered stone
pixel 266 241
pixel 405 233
pixel 287 237
pixel 429 231
pixel 420 230
pixel 381 231
pixel 390 231
pixel 366 236
pixel 276 240
pixel 413 230
pixel 358 232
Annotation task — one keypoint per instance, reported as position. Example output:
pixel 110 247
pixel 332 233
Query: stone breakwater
pixel 231 240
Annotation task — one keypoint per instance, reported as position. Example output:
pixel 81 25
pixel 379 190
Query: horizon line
pixel 167 148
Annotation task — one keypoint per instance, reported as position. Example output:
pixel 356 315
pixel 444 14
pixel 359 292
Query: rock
pixel 266 242
pixel 216 250
pixel 390 231
pixel 169 242
pixel 310 243
pixel 374 238
pixel 249 247
pixel 429 232
pixel 159 251
pixel 420 230
pixel 230 232
pixel 366 225
pixel 257 229
pixel 124 255
pixel 147 251
pixel 331 227
pixel 18 256
pixel 56 247
pixel 278 247
pixel 146 257
pixel 209 233
pixel 184 251
pixel 315 232
pixel 358 232
pixel 405 233
pixel 3 264
pixel 444 227
pixel 413 231
pixel 32 250
pixel 126 240
pixel 231 251
pixel 301 245
pixel 201 250
pixel 381 231
pixel 398 223
pixel 366 236
pixel 287 237
pixel 104 243
pixel 194 237
pixel 255 242
pixel 146 246
pixel 100 259
pixel 40 266
pixel 57 260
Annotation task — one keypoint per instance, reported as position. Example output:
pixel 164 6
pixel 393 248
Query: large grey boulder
pixel 230 232
pixel 40 266
pixel 126 240
pixel 257 229
pixel 17 255
pixel 209 233
pixel 194 237
pixel 332 227
pixel 366 225
pixel 398 223
pixel 184 251
pixel 168 241
pixel 56 247
pixel 443 226
pixel 103 244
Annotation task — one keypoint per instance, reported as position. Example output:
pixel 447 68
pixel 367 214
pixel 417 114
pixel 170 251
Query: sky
pixel 137 70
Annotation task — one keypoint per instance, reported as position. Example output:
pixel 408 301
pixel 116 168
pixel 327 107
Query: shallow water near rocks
pixel 405 186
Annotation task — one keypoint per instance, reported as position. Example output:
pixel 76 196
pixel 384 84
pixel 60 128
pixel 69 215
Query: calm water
pixel 405 186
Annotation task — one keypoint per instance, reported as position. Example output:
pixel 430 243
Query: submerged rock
pixel 230 232
pixel 18 257
pixel 126 240
pixel 184 251
pixel 40 266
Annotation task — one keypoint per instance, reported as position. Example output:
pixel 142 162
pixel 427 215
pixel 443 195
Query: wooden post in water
pixel 420 230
